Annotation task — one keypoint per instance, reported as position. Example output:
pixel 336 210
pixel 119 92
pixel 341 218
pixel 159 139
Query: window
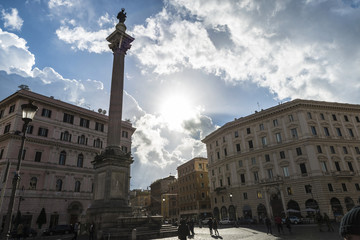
pixel 337 166
pixel 319 150
pixel 240 163
pixel 224 140
pixel 46 113
pixel 298 151
pixel 23 155
pixel 282 155
pixel 68 118
pixel 1 113
pixel 357 119
pixel 251 146
pixel 82 140
pixel 43 132
pixel 270 173
pixel 286 171
pixel 236 133
pixel 99 127
pixel 97 143
pixel 291 118
pixel 12 108
pixel 84 122
pixel 289 191
pixel 1 153
pixel 322 117
pixel 343 185
pixel 225 152
pixel 351 133
pixel 228 181
pixel 248 131
pixel 242 177
pixel 345 151
pixel 334 117
pixel 350 167
pixel 58 185
pixel 267 158
pixel 7 128
pixel 215 200
pixel 346 118
pixel 62 158
pixel 259 194
pixel 309 115
pixel 253 161
pixel 326 131
pixel 323 167
pixel 77 186
pixel 330 187
pixel 221 183
pixel 275 122
pixel 294 133
pixel 308 188
pixel 80 160
pixel 213 172
pixel 124 134
pixel 238 149
pixel 264 141
pixel 313 130
pixel 256 176
pixel 217 143
pixel 278 137
pixel 245 196
pixel 357 187
pixel 332 149
pixel 65 136
pixel 33 183
pixel 357 150
pixel 303 168
pixel 38 156
pixel 338 131
pixel 261 127
pixel 218 155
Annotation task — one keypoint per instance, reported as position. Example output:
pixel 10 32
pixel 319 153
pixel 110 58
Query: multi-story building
pixel 56 170
pixel 169 204
pixel 193 189
pixel 300 157
pixel 159 187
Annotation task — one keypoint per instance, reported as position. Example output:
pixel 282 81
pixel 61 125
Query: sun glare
pixel 175 109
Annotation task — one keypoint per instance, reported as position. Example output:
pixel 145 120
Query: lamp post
pixel 28 112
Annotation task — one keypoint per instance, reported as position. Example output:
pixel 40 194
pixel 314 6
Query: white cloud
pixel 60 3
pixel 12 20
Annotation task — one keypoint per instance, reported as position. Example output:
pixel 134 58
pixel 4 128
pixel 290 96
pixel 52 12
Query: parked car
pixel 293 220
pixel 58 230
pixel 226 221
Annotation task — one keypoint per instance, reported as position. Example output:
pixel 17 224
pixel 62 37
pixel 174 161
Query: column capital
pixel 120 41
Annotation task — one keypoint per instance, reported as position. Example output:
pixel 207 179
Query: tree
pixel 41 218
pixel 24 87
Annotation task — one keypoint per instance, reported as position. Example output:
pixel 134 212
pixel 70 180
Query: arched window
pixel 98 143
pixel 62 158
pixel 33 182
pixel 58 185
pixel 77 186
pixel 66 136
pixel 80 160
pixel 82 140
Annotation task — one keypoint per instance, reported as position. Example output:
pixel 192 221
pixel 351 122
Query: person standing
pixel 215 227
pixel 319 221
pixel 76 230
pixel 288 224
pixel 91 231
pixel 328 223
pixel 268 225
pixel 191 226
pixel 278 223
pixel 183 230
pixel 210 224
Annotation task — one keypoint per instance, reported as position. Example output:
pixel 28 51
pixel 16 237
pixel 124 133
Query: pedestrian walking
pixel 268 225
pixel 210 224
pixel 20 231
pixel 92 231
pixel 76 230
pixel 278 223
pixel 288 224
pixel 328 223
pixel 215 227
pixel 319 220
pixel 191 227
pixel 183 230
pixel 349 225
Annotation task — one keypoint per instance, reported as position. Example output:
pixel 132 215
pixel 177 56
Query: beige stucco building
pixel 193 189
pixel 298 158
pixel 56 170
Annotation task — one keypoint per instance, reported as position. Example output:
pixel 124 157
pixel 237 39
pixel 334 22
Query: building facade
pixel 140 202
pixel 193 189
pixel 56 170
pixel 300 157
pixel 158 188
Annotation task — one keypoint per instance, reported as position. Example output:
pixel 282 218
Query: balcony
pixel 343 174
pixel 272 181
pixel 220 190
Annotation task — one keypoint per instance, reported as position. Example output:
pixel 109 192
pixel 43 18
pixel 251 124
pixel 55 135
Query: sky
pixel 194 64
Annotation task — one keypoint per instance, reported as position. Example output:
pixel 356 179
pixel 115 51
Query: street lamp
pixel 28 112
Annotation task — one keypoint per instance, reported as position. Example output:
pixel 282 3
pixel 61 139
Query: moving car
pixel 293 220
pixel 58 230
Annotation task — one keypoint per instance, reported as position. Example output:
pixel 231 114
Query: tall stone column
pixel 112 166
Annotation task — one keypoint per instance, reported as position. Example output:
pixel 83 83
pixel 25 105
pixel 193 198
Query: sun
pixel 175 109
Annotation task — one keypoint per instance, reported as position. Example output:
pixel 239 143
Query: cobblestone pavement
pixel 299 232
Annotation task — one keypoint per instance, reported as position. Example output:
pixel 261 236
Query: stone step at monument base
pixel 142 233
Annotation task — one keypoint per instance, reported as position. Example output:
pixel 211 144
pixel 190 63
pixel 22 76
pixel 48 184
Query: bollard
pixel 133 234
